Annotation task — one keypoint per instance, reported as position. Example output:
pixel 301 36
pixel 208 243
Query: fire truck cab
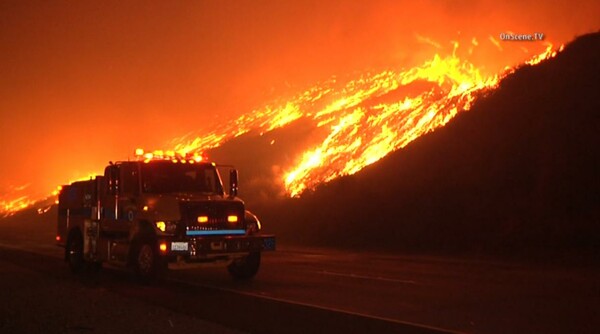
pixel 152 214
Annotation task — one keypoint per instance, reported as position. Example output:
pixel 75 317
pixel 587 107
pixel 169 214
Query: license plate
pixel 179 246
pixel 218 245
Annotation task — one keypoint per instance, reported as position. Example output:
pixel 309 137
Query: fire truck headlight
pixel 167 226
pixel 232 218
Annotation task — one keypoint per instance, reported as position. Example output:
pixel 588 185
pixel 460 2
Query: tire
pixel 245 268
pixel 74 252
pixel 147 264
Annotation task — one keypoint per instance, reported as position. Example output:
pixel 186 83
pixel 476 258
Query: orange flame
pixel 548 53
pixel 364 134
pixel 360 130
pixel 359 133
pixel 9 207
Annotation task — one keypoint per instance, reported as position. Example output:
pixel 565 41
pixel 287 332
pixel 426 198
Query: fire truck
pixel 158 212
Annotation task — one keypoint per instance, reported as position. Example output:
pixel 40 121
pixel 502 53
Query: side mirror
pixel 233 183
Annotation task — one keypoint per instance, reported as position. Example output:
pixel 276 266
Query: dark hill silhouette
pixel 520 171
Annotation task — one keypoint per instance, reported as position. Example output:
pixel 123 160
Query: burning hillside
pixel 361 120
pixel 517 173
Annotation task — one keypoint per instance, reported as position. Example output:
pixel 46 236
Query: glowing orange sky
pixel 82 83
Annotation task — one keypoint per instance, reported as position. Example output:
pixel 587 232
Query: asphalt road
pixel 302 290
pixel 460 295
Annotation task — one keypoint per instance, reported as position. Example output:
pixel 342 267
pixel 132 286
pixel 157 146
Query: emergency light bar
pixel 176 157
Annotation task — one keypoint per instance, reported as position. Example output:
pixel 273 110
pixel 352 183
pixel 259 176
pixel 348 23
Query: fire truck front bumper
pixel 201 247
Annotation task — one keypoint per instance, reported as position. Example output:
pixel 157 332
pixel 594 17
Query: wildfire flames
pixel 360 129
pixel 364 119
pixel 14 201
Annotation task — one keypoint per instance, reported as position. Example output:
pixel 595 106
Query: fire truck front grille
pixel 212 216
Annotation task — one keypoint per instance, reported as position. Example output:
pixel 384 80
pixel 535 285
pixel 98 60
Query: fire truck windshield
pixel 167 177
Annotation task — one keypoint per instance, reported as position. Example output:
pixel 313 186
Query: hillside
pixel 517 172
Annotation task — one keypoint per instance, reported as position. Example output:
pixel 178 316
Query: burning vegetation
pixel 514 176
pixel 366 118
pixel 362 120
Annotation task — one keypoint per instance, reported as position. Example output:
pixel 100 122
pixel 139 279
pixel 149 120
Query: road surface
pixel 301 290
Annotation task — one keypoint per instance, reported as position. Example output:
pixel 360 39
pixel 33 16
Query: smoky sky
pixel 84 82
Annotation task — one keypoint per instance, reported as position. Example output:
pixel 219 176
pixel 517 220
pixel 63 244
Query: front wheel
pixel 245 268
pixel 147 262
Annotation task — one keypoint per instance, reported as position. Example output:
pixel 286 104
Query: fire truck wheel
pixel 74 252
pixel 245 268
pixel 147 264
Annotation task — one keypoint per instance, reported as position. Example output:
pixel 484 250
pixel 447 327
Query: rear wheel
pixel 74 252
pixel 245 268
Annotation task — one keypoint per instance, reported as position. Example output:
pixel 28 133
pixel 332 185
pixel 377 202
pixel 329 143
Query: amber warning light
pixel 175 157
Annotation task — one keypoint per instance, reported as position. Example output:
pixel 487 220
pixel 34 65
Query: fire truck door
pixel 112 218
pixel 129 191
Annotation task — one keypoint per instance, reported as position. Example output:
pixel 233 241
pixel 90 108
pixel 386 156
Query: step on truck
pixel 159 212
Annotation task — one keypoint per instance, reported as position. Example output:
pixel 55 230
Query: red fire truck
pixel 158 212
